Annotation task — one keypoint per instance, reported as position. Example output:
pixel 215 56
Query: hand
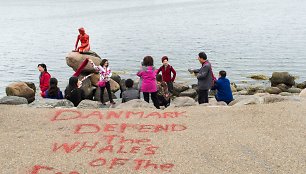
pixel 190 70
pixel 79 84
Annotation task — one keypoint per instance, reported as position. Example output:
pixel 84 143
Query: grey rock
pixel 282 77
pixel 75 59
pixel 136 103
pixel 89 104
pixel 253 89
pixel 51 103
pixel 189 93
pixel 294 90
pixel 13 100
pixel 301 85
pixel 183 101
pixel 273 90
pixel 116 78
pixel 259 77
pixel 179 87
pixel 247 100
pixel 285 94
pixel 283 87
pixel 31 85
pixel 273 99
pixel 303 93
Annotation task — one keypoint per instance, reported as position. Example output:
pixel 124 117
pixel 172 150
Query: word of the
pixel 61 115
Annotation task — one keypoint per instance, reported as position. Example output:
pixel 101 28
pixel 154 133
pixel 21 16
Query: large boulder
pixel 52 103
pixel 116 78
pixel 183 101
pixel 294 90
pixel 136 103
pixel 189 93
pixel 20 89
pixel 89 104
pixel 179 87
pixel 273 90
pixel 31 85
pixel 87 87
pixel 13 100
pixel 282 77
pixel 303 93
pixel 75 59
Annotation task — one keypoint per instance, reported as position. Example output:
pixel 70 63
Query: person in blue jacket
pixel 223 87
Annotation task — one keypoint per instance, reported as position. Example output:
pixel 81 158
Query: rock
pixel 233 88
pixel 273 99
pixel 243 92
pixel 31 85
pixel 89 104
pixel 247 100
pixel 113 84
pixel 303 93
pixel 116 78
pixel 13 100
pixel 136 103
pixel 189 93
pixel 179 87
pixel 52 103
pixel 294 90
pixel 75 59
pixel 183 101
pixel 20 89
pixel 273 90
pixel 301 85
pixel 285 94
pixel 105 96
pixel 259 77
pixel 253 89
pixel 283 87
pixel 240 88
pixel 282 77
pixel 214 103
pixel 88 88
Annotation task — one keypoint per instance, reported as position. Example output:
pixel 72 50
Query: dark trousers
pixel 146 96
pixel 203 96
pixel 107 86
pixel 162 101
pixel 170 87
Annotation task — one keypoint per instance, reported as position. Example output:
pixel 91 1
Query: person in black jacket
pixel 73 93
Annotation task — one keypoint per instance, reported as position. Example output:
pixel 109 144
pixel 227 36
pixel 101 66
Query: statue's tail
pixel 81 67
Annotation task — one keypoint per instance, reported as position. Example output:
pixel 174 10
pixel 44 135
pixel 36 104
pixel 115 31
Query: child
pixel 223 87
pixel 73 92
pixel 53 92
pixel 162 92
pixel 148 83
pixel 166 70
pixel 105 74
pixel 44 77
pixel 130 93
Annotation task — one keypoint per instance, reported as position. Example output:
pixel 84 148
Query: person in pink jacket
pixel 148 84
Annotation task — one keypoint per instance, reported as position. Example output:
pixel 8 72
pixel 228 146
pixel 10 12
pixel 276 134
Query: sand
pixel 192 140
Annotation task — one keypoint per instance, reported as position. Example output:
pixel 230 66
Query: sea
pixel 242 37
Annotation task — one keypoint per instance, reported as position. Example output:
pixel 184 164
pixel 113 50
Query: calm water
pixel 240 36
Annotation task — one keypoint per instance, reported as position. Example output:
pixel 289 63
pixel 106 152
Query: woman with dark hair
pixel 53 92
pixel 44 77
pixel 73 93
pixel 105 74
pixel 148 85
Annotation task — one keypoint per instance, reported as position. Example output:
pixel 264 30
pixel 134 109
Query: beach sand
pixel 192 140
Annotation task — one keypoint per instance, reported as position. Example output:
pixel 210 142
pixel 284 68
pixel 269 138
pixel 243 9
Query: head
pixel 42 67
pixel 53 89
pixel 165 60
pixel 73 82
pixel 202 57
pixel 148 61
pixel 159 78
pixel 82 30
pixel 222 74
pixel 104 63
pixel 129 83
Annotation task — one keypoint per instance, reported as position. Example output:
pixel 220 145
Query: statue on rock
pixel 84 38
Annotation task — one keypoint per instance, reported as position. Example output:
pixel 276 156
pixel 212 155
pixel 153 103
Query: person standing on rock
pixel 167 70
pixel 44 77
pixel 84 39
pixel 148 85
pixel 105 74
pixel 223 87
pixel 73 92
pixel 205 78
pixel 53 92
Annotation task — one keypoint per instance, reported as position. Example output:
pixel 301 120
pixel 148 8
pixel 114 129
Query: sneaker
pixel 113 102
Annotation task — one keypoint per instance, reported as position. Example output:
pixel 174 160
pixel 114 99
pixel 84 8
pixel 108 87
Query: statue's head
pixel 81 30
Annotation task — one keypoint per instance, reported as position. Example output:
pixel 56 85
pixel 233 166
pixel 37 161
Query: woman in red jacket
pixel 167 70
pixel 44 77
